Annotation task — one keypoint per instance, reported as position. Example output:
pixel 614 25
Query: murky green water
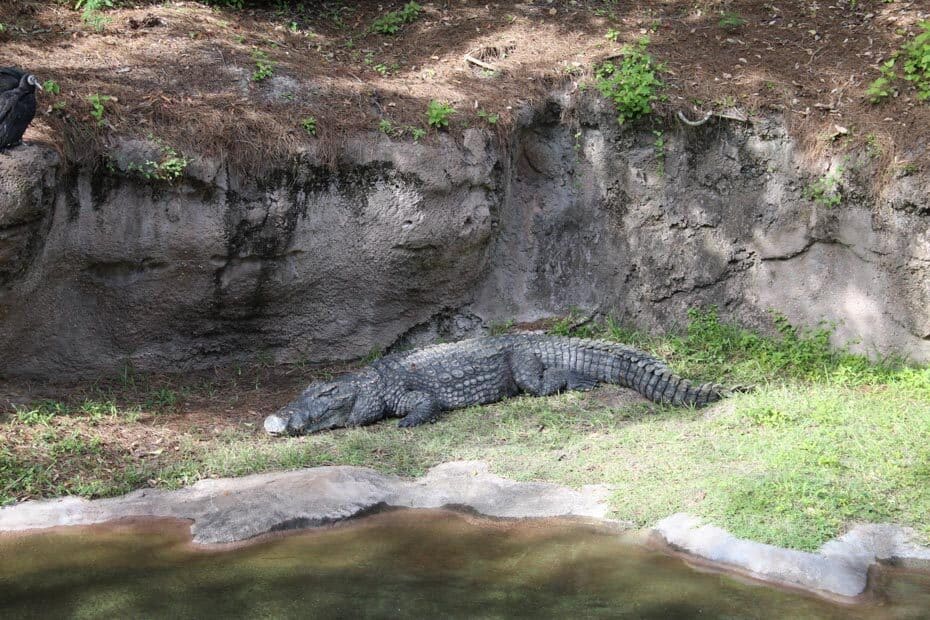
pixel 424 564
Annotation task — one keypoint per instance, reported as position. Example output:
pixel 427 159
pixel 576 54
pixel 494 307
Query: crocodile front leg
pixel 416 408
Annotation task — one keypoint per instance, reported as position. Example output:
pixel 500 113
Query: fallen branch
pixel 482 64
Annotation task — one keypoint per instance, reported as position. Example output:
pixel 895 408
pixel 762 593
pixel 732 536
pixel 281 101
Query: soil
pixel 184 72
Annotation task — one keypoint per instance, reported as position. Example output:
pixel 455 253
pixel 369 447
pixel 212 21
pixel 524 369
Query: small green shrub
pixel 827 191
pixel 309 125
pixel 98 106
pixel 170 167
pixel 264 66
pixel 438 113
pixel 488 117
pixel 731 21
pixel 417 133
pixel 391 22
pixel 915 67
pixel 883 87
pixel 91 12
pixel 632 85
pixel 385 127
pixel 51 87
pixel 917 61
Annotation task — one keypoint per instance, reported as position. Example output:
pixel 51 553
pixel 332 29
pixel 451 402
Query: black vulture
pixel 10 78
pixel 17 109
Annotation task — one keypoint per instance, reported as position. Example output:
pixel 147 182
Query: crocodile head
pixel 321 406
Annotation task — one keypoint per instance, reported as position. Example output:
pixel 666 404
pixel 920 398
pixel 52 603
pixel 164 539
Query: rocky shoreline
pixel 232 510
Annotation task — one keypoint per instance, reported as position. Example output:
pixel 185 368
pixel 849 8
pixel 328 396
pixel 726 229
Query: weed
pixel 417 133
pixel 41 413
pixel 98 106
pixel 75 444
pixel 162 399
pixel 632 84
pixel 488 117
pixel 91 12
pixel 827 190
pixel 385 127
pixel 658 148
pixel 51 87
pixel 731 21
pixel 883 87
pixel 499 329
pixel 438 113
pixel 309 125
pixel 391 22
pixel 373 355
pixel 170 166
pixel 264 66
pixel 612 35
pixel 915 67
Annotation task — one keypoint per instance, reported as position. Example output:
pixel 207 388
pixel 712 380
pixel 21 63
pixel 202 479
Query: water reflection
pixel 398 564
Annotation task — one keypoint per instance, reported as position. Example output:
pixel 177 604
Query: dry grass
pixel 188 82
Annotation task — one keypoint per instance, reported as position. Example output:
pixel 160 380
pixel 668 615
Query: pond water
pixel 430 564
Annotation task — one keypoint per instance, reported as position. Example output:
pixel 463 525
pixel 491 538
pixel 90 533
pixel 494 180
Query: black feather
pixel 10 77
pixel 17 109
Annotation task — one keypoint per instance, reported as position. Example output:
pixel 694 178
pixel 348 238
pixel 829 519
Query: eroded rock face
pixel 306 264
pixel 596 220
pixel 409 243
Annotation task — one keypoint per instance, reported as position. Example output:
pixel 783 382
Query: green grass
pixel 827 439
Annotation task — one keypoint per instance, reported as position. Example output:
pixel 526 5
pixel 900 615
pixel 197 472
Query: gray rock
pixel 839 568
pixel 408 242
pixel 235 509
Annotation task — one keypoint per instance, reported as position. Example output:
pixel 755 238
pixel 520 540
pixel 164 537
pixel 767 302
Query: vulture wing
pixel 8 101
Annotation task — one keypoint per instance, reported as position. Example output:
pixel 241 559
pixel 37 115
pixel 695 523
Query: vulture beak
pixel 39 85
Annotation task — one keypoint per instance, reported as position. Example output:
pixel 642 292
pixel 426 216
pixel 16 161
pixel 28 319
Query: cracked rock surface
pixel 406 243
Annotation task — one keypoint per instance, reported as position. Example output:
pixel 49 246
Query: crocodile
pixel 418 385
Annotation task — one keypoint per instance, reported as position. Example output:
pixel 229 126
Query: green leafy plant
pixel 731 21
pixel 391 22
pixel 612 35
pixel 98 106
pixel 264 66
pixel 169 167
pixel 915 66
pixel 827 190
pixel 438 113
pixel 883 87
pixel 489 117
pixel 309 125
pixel 51 87
pixel 417 133
pixel 632 84
pixel 385 126
pixel 91 12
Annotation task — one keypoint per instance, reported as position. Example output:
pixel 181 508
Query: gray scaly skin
pixel 417 385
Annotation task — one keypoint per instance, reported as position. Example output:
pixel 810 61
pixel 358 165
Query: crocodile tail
pixel 655 380
pixel 611 362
